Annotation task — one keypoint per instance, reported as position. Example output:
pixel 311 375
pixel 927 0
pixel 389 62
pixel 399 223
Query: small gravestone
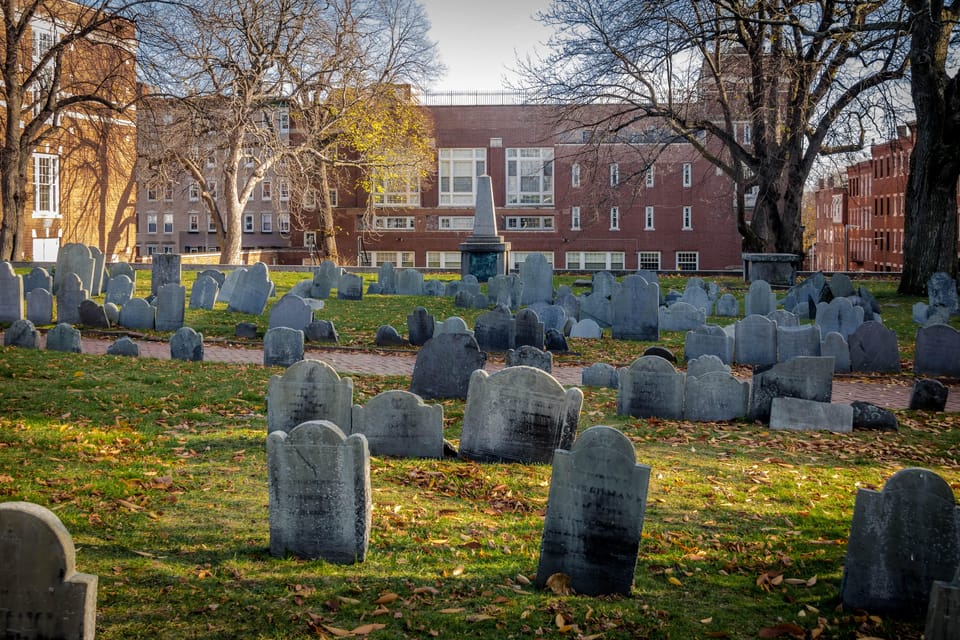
pixel 728 306
pixel 93 315
pixel 595 513
pixel 760 300
pixel 291 311
pixel 230 284
pixel 943 612
pixel 350 287
pixel 902 540
pixel 410 283
pixel 388 336
pixel 171 300
pixel 928 316
pixel 119 290
pixel 528 330
pixel 529 356
pixel 937 351
pixel 320 498
pixel 40 306
pixel 252 291
pixel 715 396
pixel 203 294
pixel 11 294
pixel 797 414
pixel 325 278
pixel 138 314
pixel 705 364
pixel 452 288
pixel 551 315
pixel 867 416
pixel 494 330
pixel 433 288
pixel 22 333
pixel 41 593
pixel 69 297
pixel 804 377
pixel 874 349
pixel 755 341
pixel 463 299
pixel 112 311
pixel 444 366
pixel 282 347
pixel 929 395
pixel 839 315
pixel 387 278
pixel 124 347
pixel 681 316
pixel 596 307
pixel 663 352
pixel 245 330
pixel 841 286
pixel 398 423
pixel 835 346
pixel 536 274
pixel 635 310
pixel 942 292
pixel 784 318
pixel 555 341
pixel 165 270
pixel 708 340
pixel 186 344
pixel 420 326
pixel 519 414
pixel 650 387
pixel 587 329
pixel 308 390
pixel 600 374
pixel 64 337
pixel 698 298
pixel 321 331
pixel 453 324
pixel 797 341
pixel 122 268
pixel 74 258
pixel 38 278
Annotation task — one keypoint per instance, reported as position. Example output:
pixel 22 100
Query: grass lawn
pixel 158 471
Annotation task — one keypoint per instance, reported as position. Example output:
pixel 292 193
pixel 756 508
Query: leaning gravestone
pixel 755 341
pixel 494 330
pixel 38 278
pixel 797 341
pixel 320 331
pixel 529 356
pixel 444 366
pixel 170 307
pixel 21 333
pixel 203 294
pixel 218 276
pixel 760 300
pixel 388 336
pixel 93 315
pixel 420 326
pixel 282 347
pixel 319 484
pixel 943 610
pixel 536 274
pixel 600 374
pixel 410 283
pixel 252 291
pixel 595 512
pixel 519 414
pixel 937 351
pixel 942 292
pixel 11 294
pixel 40 306
pixel 805 377
pixel 119 290
pixel 164 270
pixel 230 284
pixel 928 395
pixel 70 296
pixel 650 387
pixel 555 341
pixel 841 286
pixel 74 258
pixel 350 287
pixel 835 345
pixel 325 278
pixel 902 539
pixel 41 593
pixel 308 390
pixel 873 348
pixel 398 423
pixel 64 337
pixel 527 329
pixel 796 414
pixel 715 396
pixel 635 310
pixel 291 311
pixel 97 284
pixel 186 344
pixel 708 340
pixel 138 314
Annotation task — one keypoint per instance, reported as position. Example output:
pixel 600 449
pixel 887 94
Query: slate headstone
pixel 596 307
pixel 868 416
pixel 350 287
pixel 755 341
pixel 529 356
pixel 600 374
pixel 453 324
pixel 942 291
pixel 841 286
pixel 420 326
pixel 93 315
pixel 728 306
pixel 11 294
pixel 64 337
pixel 698 298
pixel 537 277
pixel 570 304
pixel 186 344
pixel 325 277
pixel 171 300
pixel 650 387
pixel 40 306
pixel 308 390
pixel 410 283
pixel 494 330
pixel 708 340
pixel 321 331
pixel 21 333
pixel 839 315
pixel 784 318
pixel 291 311
pixel 124 347
pixel 69 297
pixel 706 363
pixel 165 270
pixel 797 341
pixel 587 329
pixel 388 336
pixel 138 314
pixel 38 278
pixel 230 284
pixel 797 414
pixel 75 258
pixel 681 316
pixel 387 278
pixel 943 610
pixel 122 268
pixel 874 349
pixel 835 345
pixel 635 310
pixel 252 290
pixel 203 294
pixel 760 299
pixel 937 351
pixel 444 366
pixel 398 423
pixel 433 288
pixel 506 290
pixel 928 395
pixel 715 396
pixel 282 347
pixel 555 341
pixel 527 329
pixel 804 377
pixel 119 290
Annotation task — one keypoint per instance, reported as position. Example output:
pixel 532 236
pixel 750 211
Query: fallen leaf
pixel 522 579
pixel 479 617
pixel 812 581
pixel 674 581
pixel 706 620
pixel 431 590
pixel 784 629
pixel 340 633
pixel 458 570
pixel 386 598
pixel 365 629
pixel 453 610
pixel 559 583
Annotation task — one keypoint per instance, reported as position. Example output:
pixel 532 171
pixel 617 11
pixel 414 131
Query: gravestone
pixel 282 347
pixel 663 352
pixel 835 345
pixel 804 377
pixel 321 331
pixel 635 310
pixel 398 423
pixel 587 329
pixel 164 270
pixel 11 294
pixel 70 296
pixel 874 349
pixel 122 268
pixel 308 390
pixel 246 330
pixel 784 318
pixel 112 311
pixel 291 311
pixel 870 416
pixel 320 498
pixel 708 340
pixel 444 366
pixel 387 278
pixel 937 351
pixel 463 299
pixel 554 340
pixel 595 512
pixel 841 286
pixel 506 290
pixel 410 283
pixel 600 374
pixel 527 329
pixel 707 363
pixel 252 291
pixel 942 292
pixel 603 283
pixel 171 300
pixel 218 276
pixel 22 333
pixel 728 306
pixel 494 330
pixel 97 284
pixel 350 287
pixel 186 344
pixel 40 307
pixel 64 337
pixel 420 326
pixel 230 284
pixel 570 304
pixel 119 290
pixel 928 395
pixel 596 307
pixel 325 277
pixel 93 315
pixel 38 278
pixel 74 258
pixel 138 314
pixel 797 341
pixel 453 324
pixel 715 396
pixel 529 356
pixel 433 288
pixel 760 300
pixel 698 298
pixel 124 347
pixel 839 315
pixel 551 315
pixel 388 336
pixel 797 414
pixel 41 593
pixel 943 610
pixel 518 414
pixel 902 539
pixel 536 274
pixel 681 317
pixel 203 294
pixel 755 341
pixel 650 388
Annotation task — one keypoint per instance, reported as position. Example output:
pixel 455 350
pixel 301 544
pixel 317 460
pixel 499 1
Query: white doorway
pixel 46 249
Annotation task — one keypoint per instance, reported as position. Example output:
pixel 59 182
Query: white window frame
pixel 168 223
pixel 746 133
pixel 529 223
pixel 529 176
pixel 648 218
pixel 650 179
pixel 400 259
pixel 448 260
pixel 309 239
pixel 334 197
pixel 248 223
pixel 248 159
pixel 168 191
pixel 283 121
pixel 517 258
pixel 193 191
pixel 575 218
pixel 649 260
pixel 266 223
pixel 266 189
pixel 614 174
pixel 455 223
pixel 152 223
pixel 687 218
pixel 458 166
pixel 211 224
pixel 402 190
pixel 687 171
pixel 614 218
pixel 193 222
pixel 309 199
pixel 575 175
pixel 153 191
pixel 394 223
pixel 46 185
pixel 283 222
pixel 212 188
pixel 40 47
pixel 683 257
pixel 283 189
pixel 599 260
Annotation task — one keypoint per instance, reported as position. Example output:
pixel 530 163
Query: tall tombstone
pixel 444 366
pixel 715 396
pixel 203 293
pixel 635 310
pixel 350 287
pixel 708 339
pixel 75 258
pixel 537 277
pixel 902 540
pixel 230 284
pixel 325 277
pixel 484 253
pixel 119 290
pixel 518 414
pixel 410 283
pixel 937 351
pixel 41 593
pixel 171 300
pixel 138 314
pixel 387 278
pixel 494 330
pixel 283 347
pixel 398 423
pixel 755 341
pixel 69 297
pixel 38 278
pixel 64 337
pixel 186 344
pixel 595 513
pixel 650 387
pixel 760 299
pixel 309 390
pixel 805 377
pixel 291 311
pixel 604 283
pixel 98 284
pixel 839 315
pixel 420 326
pixel 873 348
pixel 165 269
pixel 797 341
pixel 528 330
pixel 11 294
pixel 320 497
pixel 252 291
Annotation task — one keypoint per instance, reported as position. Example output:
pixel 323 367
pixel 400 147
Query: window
pixel 530 176
pixel 687 174
pixel 309 199
pixel 248 223
pixel 334 197
pixel 595 260
pixel 46 186
pixel 151 249
pixel 394 223
pixel 283 222
pixel 283 186
pixel 459 170
pixel 443 260
pixel 168 223
pixel 688 260
pixel 402 259
pixel 212 188
pixel 399 190
pixel 529 223
pixel 649 260
pixel 650 180
pixel 211 224
pixel 248 160
pixel 153 192
pixel 193 223
pixel 266 189
pixel 151 223
pixel 517 258
pixel 211 161
pixel 614 218
pixel 575 218
pixel 168 191
pixel 283 121
pixel 309 239
pixel 648 218
pixel 193 191
pixel 687 218
pixel 614 174
pixel 575 174
pixel 44 39
pixel 266 223
pixel 747 136
pixel 456 223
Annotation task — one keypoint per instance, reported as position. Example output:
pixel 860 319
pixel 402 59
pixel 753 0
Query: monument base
pixel 777 269
pixel 484 260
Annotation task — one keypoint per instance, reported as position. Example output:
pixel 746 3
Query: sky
pixel 479 40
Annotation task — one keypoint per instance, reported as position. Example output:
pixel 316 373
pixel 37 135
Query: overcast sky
pixel 479 40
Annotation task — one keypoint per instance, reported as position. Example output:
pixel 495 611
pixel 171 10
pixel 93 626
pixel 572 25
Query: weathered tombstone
pixel 873 348
pixel 528 330
pixel 698 298
pixel 119 290
pixel 325 277
pixel 308 390
pixel 203 294
pixel 839 315
pixel 452 288
pixel 937 351
pixel 138 314
pixel 22 333
pixel 707 363
pixel 463 299
pixel 410 283
pixel 536 274
pixel 350 287
pixel 728 306
pixel 784 318
pixel 282 346
pixel 870 416
pixel 715 396
pixel 420 326
pixel 841 286
pixel 444 366
pixel 64 337
pixel 470 283
pixel 186 344
pixel 530 356
pixel 635 310
pixel 291 311
pixel 942 291
pixel 97 284
pixel 124 347
pixel 804 377
pixel 41 593
pixel 708 340
pixel 555 341
pixel 600 374
pixel 11 294
pixel 453 324
pixel 321 331
pixel 663 352
pixel 570 304
pixel 252 291
pixel 388 336
pixel 320 502
pixel 650 387
pixel 93 315
pixel 40 306
pixel 760 300
pixel 74 258
pixel 797 414
pixel 681 316
pixel 595 512
pixel 755 341
pixel 928 395
pixel 596 307
pixel 122 268
pixel 112 311
pixel 552 316
pixel 398 423
pixel 38 278
pixel 433 288
pixel 586 328
pixel 797 341
pixel 165 270
pixel 902 540
pixel 171 300
pixel 519 414
pixel 230 284
pixel 936 314
pixel 835 345
pixel 943 612
pixel 506 290
pixel 494 330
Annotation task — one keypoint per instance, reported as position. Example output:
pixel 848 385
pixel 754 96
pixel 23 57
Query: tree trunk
pixel 328 228
pixel 13 175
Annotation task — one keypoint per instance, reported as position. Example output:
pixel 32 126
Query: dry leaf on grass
pixel 559 583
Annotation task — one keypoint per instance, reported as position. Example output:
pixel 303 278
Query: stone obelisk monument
pixel 484 253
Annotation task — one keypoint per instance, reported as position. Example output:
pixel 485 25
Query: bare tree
pixel 930 217
pixel 761 89
pixel 258 87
